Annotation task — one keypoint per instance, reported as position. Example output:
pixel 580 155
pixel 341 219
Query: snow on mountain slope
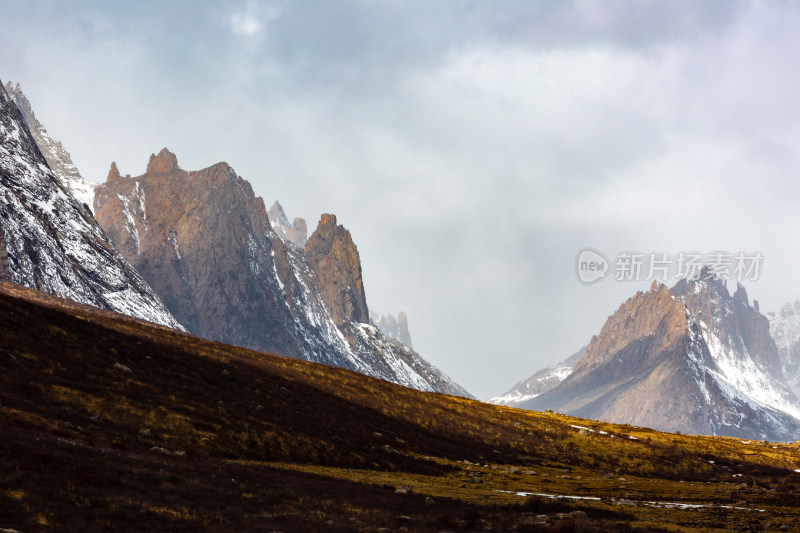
pixel 785 329
pixel 58 159
pixel 738 339
pixel 693 358
pixel 539 383
pixel 49 241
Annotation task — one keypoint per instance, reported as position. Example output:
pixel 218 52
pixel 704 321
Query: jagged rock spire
pixel 162 163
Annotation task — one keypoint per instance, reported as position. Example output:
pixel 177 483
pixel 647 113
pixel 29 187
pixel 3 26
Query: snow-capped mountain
pixel 49 240
pixel 542 381
pixel 204 242
pixel 57 157
pixel 693 358
pixel 785 329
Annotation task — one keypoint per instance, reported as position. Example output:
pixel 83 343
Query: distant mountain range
pixel 693 358
pixel 396 328
pixel 224 266
pixel 542 381
pixel 784 326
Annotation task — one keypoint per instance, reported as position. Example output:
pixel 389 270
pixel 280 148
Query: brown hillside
pixel 108 423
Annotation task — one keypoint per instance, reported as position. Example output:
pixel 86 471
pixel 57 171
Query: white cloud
pixel 252 18
pixel 245 24
pixel 470 153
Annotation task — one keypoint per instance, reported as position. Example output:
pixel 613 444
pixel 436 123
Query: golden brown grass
pixel 203 436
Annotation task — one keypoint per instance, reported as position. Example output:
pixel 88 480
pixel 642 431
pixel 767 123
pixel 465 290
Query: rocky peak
pixel 295 233
pixel 692 358
pixel 23 104
pixel 334 259
pixel 49 240
pixel 163 163
pixel 57 158
pixel 396 328
pixel 402 326
pixel 388 325
pixel 300 232
pixel 277 216
pixel 203 240
pixel 654 315
pixel 740 296
pixel 113 173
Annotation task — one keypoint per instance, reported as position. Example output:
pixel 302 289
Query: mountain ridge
pixel 51 242
pixel 204 241
pixel 58 158
pixel 693 358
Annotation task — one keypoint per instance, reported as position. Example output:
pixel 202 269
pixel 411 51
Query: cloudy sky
pixel 471 148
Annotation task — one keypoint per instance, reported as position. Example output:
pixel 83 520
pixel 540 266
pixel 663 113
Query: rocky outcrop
pixel 337 272
pixel 57 157
pixel 49 240
pixel 299 232
pixel 201 239
pixel 204 241
pixel 694 359
pixel 396 328
pixel 402 326
pixel 295 233
pixel 161 164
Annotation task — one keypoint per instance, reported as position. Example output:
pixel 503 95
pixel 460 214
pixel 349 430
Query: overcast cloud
pixel 471 148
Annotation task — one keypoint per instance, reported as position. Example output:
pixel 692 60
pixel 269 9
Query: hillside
pixel 111 423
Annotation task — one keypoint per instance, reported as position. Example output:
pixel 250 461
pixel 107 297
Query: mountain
pixel 112 424
pixel 49 240
pixel 542 381
pixel 694 359
pixel 396 328
pixel 785 329
pixel 205 243
pixel 58 159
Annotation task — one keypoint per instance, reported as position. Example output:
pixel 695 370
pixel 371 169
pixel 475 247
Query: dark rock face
pixel 693 359
pixel 205 243
pixel 200 239
pixel 337 272
pixel 49 240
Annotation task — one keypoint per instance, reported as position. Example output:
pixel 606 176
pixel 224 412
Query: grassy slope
pixel 199 435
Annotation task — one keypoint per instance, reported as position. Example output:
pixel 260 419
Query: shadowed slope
pixel 112 423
